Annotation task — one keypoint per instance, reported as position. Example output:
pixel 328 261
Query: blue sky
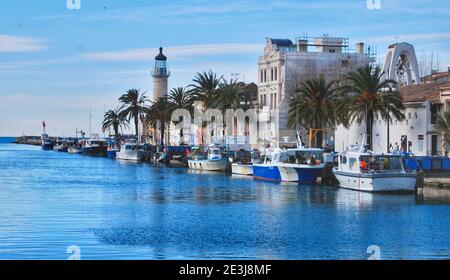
pixel 57 63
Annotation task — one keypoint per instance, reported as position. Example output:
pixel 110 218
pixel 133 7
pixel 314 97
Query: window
pixel 271 74
pixel 262 76
pixel 276 73
pixel 448 106
pixel 344 63
pixel 434 113
pixel 409 115
pixel 415 115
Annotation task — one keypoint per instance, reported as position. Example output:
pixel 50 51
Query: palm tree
pixel 313 106
pixel 443 125
pixel 181 98
pixel 230 95
pixel 133 107
pixel 159 113
pixel 114 119
pixel 206 87
pixel 365 98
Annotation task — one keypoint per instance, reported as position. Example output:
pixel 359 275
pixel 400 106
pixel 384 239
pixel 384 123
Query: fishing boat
pixel 46 142
pixel 95 146
pixel 303 165
pixel 61 146
pixel 74 149
pixel 363 170
pixel 212 160
pixel 131 150
pixel 242 162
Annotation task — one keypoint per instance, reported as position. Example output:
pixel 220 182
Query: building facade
pixel 285 65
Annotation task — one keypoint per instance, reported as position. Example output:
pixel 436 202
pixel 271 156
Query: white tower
pixel 160 76
pixel 401 64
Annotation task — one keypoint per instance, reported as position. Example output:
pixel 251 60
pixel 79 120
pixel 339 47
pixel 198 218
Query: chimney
pixel 360 47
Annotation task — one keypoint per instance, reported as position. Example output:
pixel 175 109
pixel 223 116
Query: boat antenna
pixel 90 122
pixel 299 140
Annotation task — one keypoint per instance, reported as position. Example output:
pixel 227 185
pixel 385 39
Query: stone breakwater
pixel 29 140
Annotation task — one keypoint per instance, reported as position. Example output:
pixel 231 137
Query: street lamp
pixel 389 89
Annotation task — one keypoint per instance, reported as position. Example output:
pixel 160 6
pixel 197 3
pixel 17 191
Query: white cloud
pixel 13 44
pixel 177 52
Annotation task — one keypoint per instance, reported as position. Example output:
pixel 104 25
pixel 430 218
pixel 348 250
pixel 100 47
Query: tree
pixel 443 125
pixel 181 98
pixel 365 99
pixel 313 106
pixel 114 119
pixel 206 87
pixel 133 107
pixel 230 95
pixel 159 113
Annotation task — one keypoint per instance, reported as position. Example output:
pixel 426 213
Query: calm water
pixel 116 210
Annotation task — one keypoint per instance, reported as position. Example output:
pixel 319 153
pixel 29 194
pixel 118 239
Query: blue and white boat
pixel 303 165
pixel 46 143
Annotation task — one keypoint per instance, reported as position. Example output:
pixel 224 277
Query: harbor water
pixel 109 209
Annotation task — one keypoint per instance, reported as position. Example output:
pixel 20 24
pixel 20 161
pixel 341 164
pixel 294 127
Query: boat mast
pixel 90 123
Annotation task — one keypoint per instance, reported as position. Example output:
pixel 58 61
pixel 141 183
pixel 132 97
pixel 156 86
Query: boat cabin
pixel 362 163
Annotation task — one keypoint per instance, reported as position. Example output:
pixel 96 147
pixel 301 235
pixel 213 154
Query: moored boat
pixel 363 170
pixel 131 150
pixel 95 146
pixel 303 165
pixel 242 162
pixel 46 142
pixel 212 160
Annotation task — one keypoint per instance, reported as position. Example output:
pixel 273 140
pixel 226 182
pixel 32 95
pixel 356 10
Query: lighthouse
pixel 160 76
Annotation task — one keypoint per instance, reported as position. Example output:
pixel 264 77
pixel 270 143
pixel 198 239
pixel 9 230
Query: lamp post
pixel 389 89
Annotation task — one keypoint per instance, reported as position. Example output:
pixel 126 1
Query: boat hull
pixel 130 155
pixel 112 154
pixel 208 165
pixel 288 173
pixel 47 147
pixel 375 182
pixel 95 151
pixel 242 169
pixel 72 150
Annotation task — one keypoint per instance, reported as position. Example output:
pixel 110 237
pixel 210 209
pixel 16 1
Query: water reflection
pixel 125 210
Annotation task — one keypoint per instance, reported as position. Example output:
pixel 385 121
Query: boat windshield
pixel 302 157
pixel 383 163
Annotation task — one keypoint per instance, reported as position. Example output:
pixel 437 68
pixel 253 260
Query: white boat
pixel 242 163
pixel 362 170
pixel 211 161
pixel 75 149
pixel 130 151
pixel 300 164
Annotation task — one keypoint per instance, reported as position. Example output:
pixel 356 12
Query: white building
pixel 417 132
pixel 285 65
pixel 423 102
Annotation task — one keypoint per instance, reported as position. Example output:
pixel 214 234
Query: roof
pixel 282 42
pixel 436 76
pixel 423 92
pixel 161 56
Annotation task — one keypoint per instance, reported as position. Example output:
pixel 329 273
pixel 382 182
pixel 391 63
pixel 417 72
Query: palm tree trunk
pixel 162 133
pixel 369 129
pixel 136 125
pixel 116 135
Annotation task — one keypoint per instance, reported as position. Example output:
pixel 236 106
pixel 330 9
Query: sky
pixel 57 64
